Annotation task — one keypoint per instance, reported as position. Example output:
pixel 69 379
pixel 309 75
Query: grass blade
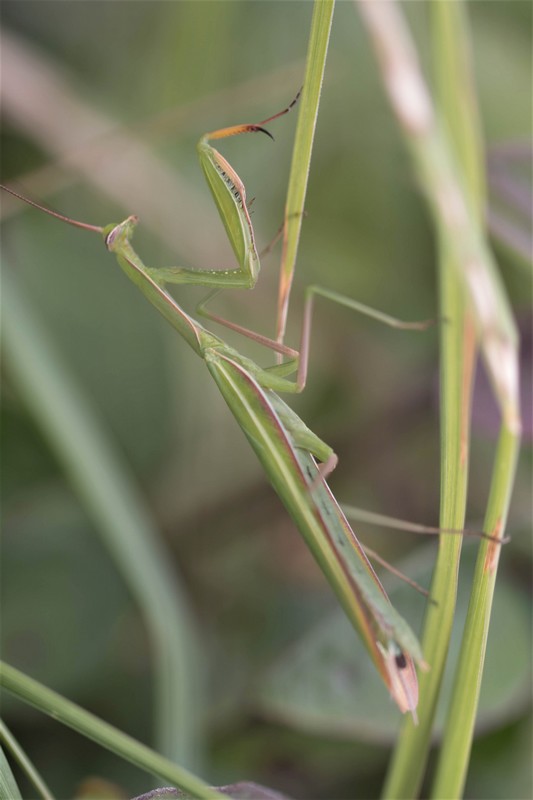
pixel 102 733
pixel 459 729
pixel 448 160
pixel 9 741
pixel 8 786
pixel 457 344
pixel 301 155
pixel 454 216
pixel 457 99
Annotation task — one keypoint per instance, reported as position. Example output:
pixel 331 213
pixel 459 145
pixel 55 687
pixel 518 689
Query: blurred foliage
pixel 167 72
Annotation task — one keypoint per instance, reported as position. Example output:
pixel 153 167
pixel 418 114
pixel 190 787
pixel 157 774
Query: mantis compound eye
pixel 120 234
pixel 111 237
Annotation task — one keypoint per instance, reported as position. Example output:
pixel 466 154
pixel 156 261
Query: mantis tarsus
pixel 285 446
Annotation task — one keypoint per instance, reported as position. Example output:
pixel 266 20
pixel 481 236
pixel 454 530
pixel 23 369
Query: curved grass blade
pixel 10 743
pixel 104 734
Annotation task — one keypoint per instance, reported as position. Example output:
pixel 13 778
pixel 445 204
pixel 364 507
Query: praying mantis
pixel 287 449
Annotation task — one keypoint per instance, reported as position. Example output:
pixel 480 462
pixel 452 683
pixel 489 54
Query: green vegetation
pixel 205 628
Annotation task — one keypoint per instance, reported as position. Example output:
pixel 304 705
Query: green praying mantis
pixel 287 449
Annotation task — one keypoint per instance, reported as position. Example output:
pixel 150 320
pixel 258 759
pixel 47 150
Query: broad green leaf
pixel 324 685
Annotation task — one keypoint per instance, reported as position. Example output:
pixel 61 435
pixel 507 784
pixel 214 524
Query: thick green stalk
pixel 448 159
pixel 105 487
pixel 457 344
pixel 409 759
pixel 454 755
pixel 102 733
pixel 301 154
pixel 456 95
pixel 454 212
pixel 457 100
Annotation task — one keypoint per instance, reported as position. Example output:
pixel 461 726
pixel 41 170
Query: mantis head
pixel 116 236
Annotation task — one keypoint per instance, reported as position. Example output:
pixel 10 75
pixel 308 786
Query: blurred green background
pixel 102 106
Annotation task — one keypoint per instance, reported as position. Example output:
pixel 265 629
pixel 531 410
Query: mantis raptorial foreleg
pixel 229 194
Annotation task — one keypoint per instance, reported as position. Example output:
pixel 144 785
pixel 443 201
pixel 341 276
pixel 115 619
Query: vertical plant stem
pixel 457 345
pixel 301 154
pixel 454 755
pixel 454 83
pixel 448 160
pixel 443 183
pixel 108 493
pixel 456 95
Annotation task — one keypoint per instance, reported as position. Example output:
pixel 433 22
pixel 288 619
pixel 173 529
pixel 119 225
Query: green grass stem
pixel 448 157
pixel 26 765
pixel 454 756
pixel 457 344
pixel 9 789
pixel 454 82
pixel 102 733
pixel 301 154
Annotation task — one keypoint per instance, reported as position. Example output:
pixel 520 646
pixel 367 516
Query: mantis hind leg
pixel 310 294
pixel 274 376
pixel 289 352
